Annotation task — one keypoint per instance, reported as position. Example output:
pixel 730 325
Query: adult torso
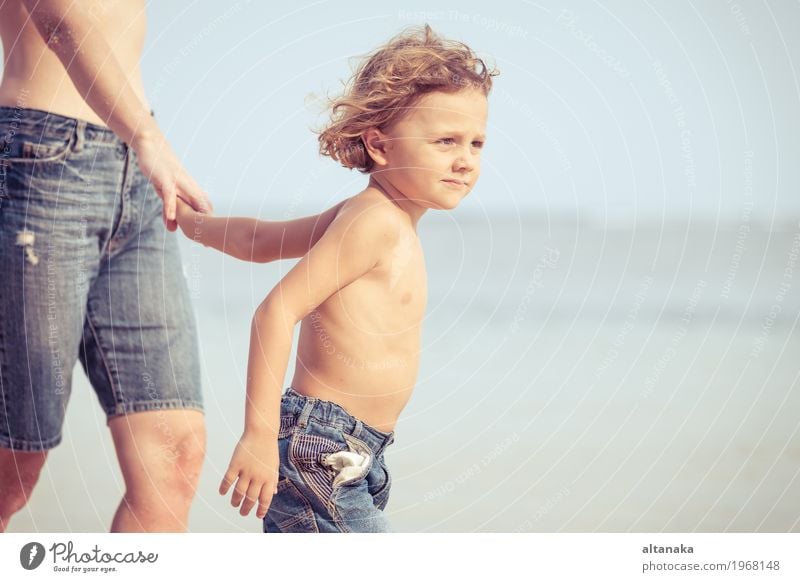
pixel 33 76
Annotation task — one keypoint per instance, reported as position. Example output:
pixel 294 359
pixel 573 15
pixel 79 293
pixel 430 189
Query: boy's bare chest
pixel 393 296
pixel 404 278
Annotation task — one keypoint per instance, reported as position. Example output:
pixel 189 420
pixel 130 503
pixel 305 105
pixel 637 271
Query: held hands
pixel 254 469
pixel 189 220
pixel 161 166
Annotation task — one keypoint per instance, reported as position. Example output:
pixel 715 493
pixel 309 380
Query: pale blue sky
pixel 618 110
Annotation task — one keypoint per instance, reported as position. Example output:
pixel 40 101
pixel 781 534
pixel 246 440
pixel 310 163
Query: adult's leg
pixel 19 472
pixel 140 352
pixel 46 260
pixel 160 453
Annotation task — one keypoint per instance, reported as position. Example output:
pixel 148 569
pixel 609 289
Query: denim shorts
pixel 333 477
pixel 89 272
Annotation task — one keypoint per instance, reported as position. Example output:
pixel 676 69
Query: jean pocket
pixel 287 424
pixel 290 511
pixel 381 491
pixel 351 465
pixel 25 150
pixel 327 462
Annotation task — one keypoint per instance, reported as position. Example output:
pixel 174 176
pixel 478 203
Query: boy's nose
pixel 465 162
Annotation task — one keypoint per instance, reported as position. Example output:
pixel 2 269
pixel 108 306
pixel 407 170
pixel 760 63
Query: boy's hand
pixel 187 218
pixel 254 470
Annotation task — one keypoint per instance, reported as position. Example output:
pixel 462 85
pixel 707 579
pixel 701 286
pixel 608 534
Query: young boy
pixel 312 459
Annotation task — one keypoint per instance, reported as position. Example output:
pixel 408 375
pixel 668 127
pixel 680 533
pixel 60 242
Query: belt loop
pixel 359 427
pixel 80 135
pixel 386 442
pixel 309 406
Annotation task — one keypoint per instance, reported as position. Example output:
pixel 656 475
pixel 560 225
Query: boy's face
pixel 433 154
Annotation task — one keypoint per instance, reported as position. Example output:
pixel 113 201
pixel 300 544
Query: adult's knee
pixel 161 454
pixel 184 462
pixel 19 473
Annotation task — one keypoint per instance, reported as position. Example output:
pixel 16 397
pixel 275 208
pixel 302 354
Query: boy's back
pixel 360 347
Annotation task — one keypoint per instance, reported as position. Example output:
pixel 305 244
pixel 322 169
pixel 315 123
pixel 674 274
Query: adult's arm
pixel 71 33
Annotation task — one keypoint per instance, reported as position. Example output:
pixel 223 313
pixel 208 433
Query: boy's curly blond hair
pixel 387 83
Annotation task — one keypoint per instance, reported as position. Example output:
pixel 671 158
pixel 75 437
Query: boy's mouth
pixel 455 182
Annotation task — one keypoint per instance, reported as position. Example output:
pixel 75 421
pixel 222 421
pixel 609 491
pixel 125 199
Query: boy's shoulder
pixel 370 212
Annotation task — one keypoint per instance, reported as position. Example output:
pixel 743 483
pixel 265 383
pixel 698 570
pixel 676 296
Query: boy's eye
pixel 452 140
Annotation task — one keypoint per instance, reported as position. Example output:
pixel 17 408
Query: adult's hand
pixel 170 179
pixel 70 31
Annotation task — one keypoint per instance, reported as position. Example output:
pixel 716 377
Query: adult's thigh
pixel 140 346
pixel 46 261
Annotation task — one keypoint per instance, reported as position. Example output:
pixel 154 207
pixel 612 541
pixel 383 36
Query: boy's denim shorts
pixel 333 477
pixel 89 272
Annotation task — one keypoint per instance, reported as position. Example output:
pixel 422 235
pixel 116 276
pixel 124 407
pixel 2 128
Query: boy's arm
pixel 257 241
pixel 349 248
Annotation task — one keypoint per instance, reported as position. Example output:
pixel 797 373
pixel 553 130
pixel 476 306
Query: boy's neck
pixel 414 211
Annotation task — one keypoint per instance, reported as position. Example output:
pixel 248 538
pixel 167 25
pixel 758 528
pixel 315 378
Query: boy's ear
pixel 375 142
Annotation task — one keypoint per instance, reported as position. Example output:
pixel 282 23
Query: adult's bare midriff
pixel 35 78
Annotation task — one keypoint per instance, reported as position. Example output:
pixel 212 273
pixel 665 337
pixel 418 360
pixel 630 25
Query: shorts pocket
pixel 287 424
pixel 326 463
pixel 19 150
pixel 383 487
pixel 290 511
pixel 40 178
